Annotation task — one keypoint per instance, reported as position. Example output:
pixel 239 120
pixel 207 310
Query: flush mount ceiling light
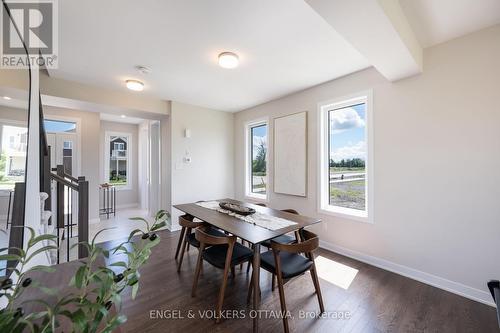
pixel 228 60
pixel 135 85
pixel 7 98
pixel 123 116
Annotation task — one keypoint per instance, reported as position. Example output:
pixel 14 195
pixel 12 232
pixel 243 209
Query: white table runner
pixel 262 220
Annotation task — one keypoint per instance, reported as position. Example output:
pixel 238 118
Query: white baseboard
pixel 433 280
pixel 173 226
pixel 130 205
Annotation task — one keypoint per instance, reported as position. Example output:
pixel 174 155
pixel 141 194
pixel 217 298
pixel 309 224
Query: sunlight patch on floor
pixel 336 273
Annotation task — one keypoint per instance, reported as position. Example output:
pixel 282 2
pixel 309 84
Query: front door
pixel 63 149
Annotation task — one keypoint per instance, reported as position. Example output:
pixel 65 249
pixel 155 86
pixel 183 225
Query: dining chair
pixel 224 253
pixel 187 237
pixel 286 262
pixel 285 239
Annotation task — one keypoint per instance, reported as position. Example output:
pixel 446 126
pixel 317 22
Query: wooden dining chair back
pixel 188 238
pixel 224 253
pixel 187 224
pixel 286 261
pixel 286 239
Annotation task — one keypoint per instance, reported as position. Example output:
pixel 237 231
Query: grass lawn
pixel 7 184
pixel 118 182
pixel 349 194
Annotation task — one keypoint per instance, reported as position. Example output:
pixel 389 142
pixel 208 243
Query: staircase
pixel 70 197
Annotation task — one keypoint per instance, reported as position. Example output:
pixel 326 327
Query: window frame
pixel 12 123
pixel 107 156
pixel 324 206
pixel 248 160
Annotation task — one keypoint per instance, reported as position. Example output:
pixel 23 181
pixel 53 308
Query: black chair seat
pixel 194 242
pixel 283 239
pixel 291 264
pixel 216 255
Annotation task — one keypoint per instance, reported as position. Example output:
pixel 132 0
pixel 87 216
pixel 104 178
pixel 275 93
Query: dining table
pixel 249 232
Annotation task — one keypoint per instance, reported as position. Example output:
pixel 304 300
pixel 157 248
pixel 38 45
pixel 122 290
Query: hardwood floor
pixel 377 300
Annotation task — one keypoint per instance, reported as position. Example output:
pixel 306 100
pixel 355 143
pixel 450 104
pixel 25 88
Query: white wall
pixel 124 197
pixel 210 174
pixel 143 164
pixel 437 156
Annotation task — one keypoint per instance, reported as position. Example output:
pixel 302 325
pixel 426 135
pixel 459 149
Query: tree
pixel 348 163
pixel 259 163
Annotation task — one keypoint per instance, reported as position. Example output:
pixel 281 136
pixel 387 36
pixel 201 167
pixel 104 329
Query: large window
pixel 256 184
pixel 117 167
pixel 14 142
pixel 346 157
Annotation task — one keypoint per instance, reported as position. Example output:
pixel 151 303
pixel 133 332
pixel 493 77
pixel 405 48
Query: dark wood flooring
pixel 377 300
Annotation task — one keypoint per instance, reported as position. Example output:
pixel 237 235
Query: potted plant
pixel 93 303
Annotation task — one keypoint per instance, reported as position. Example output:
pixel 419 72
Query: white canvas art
pixel 290 154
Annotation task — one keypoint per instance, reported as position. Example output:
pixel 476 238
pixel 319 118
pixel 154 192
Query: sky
pixel 59 126
pixel 347 133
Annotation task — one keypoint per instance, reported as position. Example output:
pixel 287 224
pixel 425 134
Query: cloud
pixel 344 119
pixel 351 151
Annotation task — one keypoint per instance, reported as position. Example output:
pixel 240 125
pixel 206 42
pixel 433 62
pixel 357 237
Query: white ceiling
pixel 437 21
pixel 119 119
pixel 284 46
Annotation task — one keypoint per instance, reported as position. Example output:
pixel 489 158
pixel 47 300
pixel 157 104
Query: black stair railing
pixel 72 206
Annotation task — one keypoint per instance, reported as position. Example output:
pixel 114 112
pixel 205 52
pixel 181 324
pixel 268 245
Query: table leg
pixel 256 285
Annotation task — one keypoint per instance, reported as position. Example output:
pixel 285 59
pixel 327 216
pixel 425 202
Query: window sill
pixel 346 213
pixel 256 197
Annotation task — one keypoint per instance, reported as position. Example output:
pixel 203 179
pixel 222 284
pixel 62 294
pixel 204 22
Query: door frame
pixel 78 122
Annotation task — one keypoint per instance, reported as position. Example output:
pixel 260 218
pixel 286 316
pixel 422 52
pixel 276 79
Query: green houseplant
pixel 96 288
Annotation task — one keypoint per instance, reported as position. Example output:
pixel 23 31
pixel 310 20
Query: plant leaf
pixel 135 288
pixel 119 264
pixel 42 238
pixel 158 226
pixel 40 250
pixel 10 257
pixel 97 234
pixel 80 274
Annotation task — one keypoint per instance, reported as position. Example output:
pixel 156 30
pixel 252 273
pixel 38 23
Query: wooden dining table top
pixel 244 230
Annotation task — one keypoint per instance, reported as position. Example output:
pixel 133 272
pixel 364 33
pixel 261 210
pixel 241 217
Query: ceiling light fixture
pixel 7 98
pixel 123 116
pixel 228 60
pixel 135 85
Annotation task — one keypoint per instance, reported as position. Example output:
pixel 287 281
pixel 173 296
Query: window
pixel 117 168
pixel 346 157
pixel 12 155
pixel 256 180
pixel 119 146
pixel 59 126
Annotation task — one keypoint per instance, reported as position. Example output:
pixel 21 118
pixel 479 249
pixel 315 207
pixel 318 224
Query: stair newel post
pixel 83 216
pixel 60 198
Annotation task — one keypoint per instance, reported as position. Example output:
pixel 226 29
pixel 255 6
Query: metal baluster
pixel 67 221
